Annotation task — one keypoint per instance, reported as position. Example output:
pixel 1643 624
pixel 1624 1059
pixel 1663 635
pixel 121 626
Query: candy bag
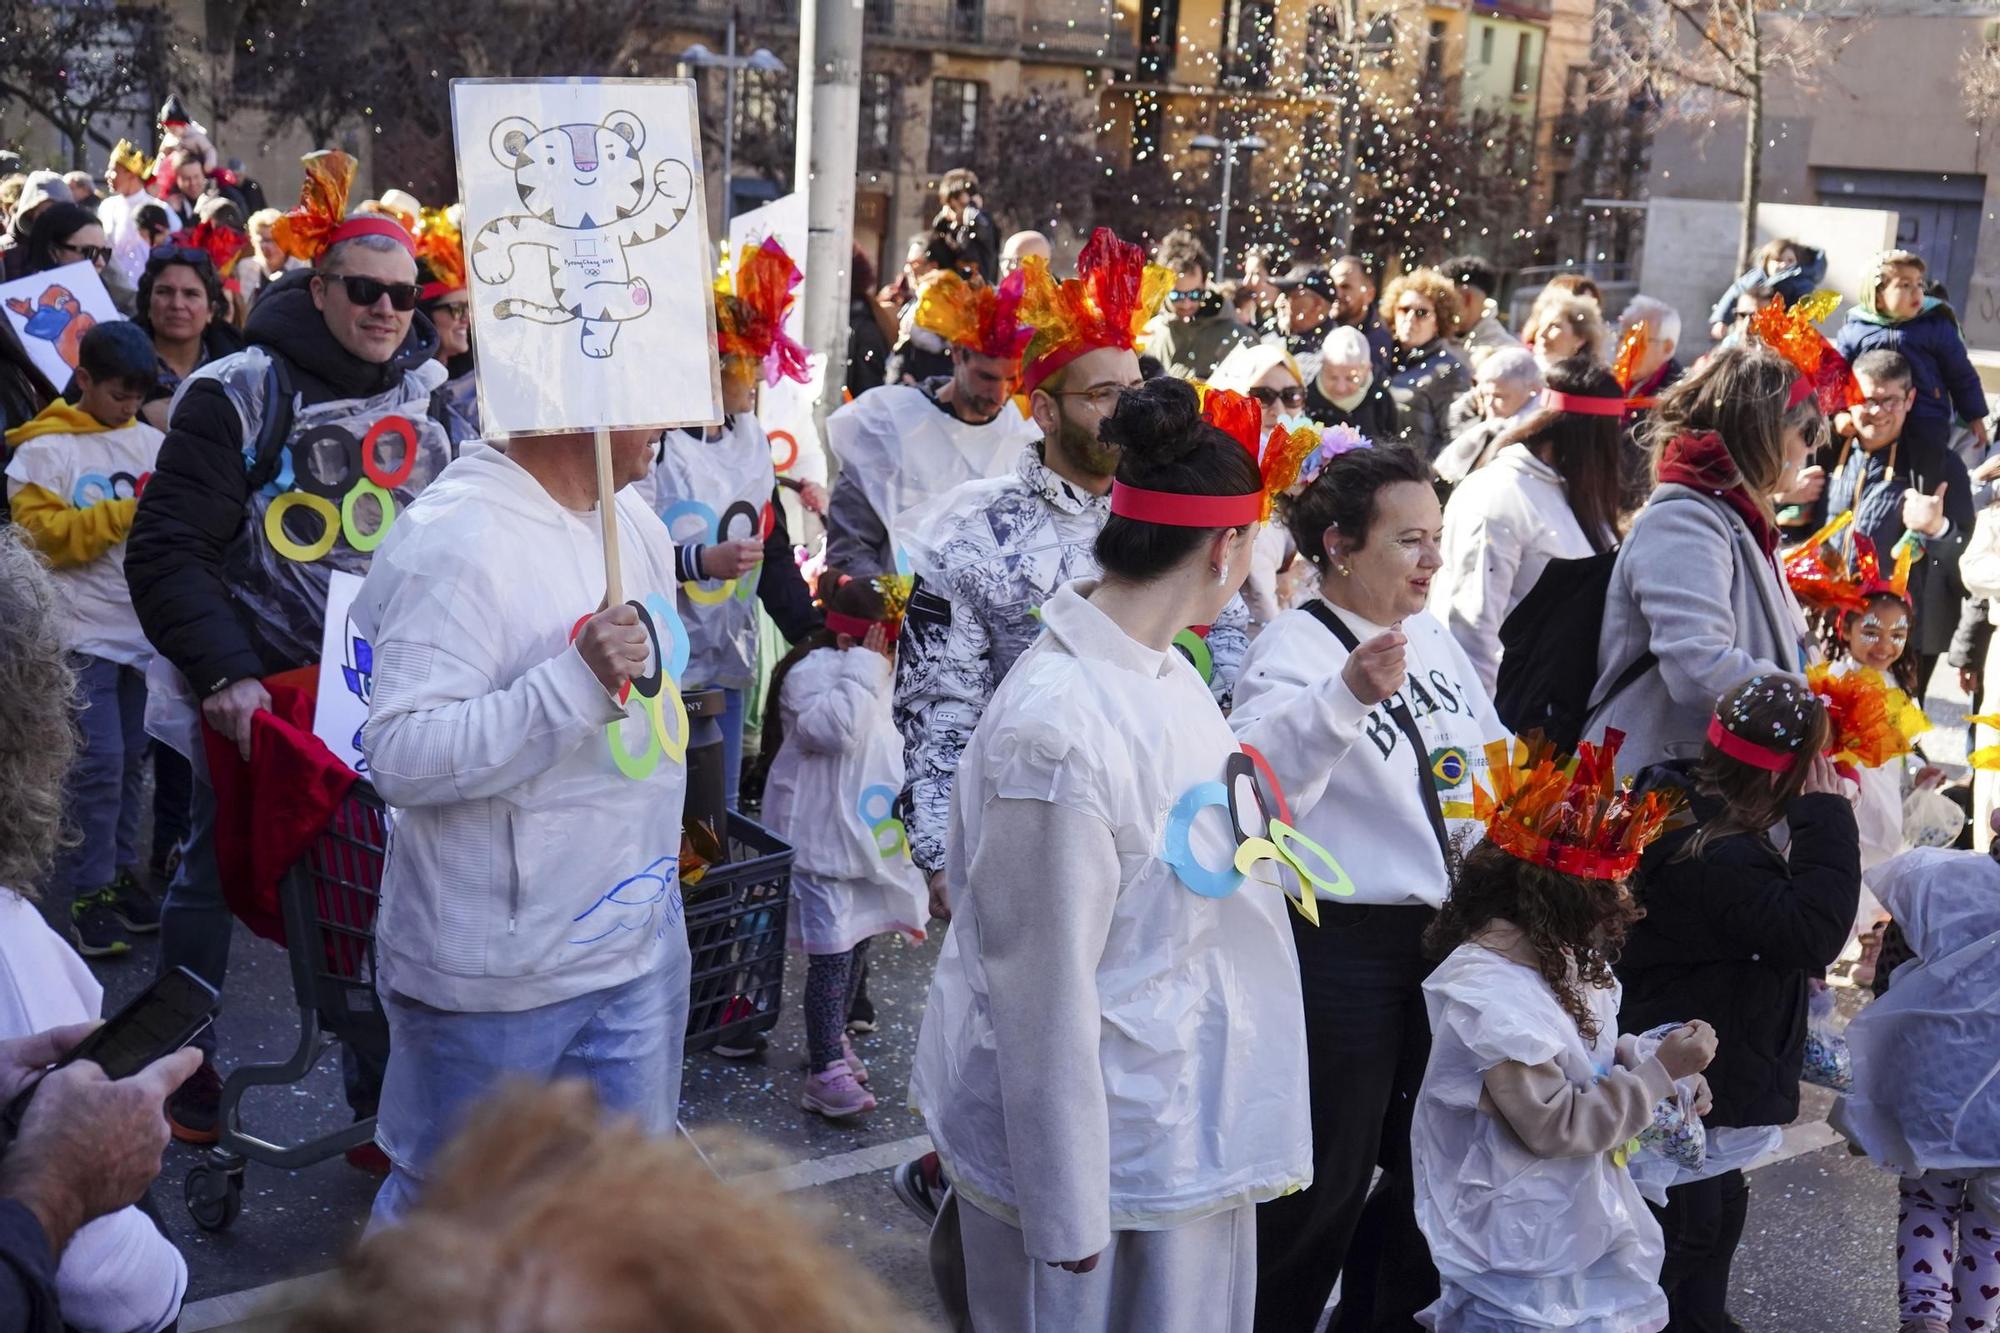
pixel 1829 1064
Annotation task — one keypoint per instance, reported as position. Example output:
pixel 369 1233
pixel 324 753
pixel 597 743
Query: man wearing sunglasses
pixel 1197 329
pixel 274 474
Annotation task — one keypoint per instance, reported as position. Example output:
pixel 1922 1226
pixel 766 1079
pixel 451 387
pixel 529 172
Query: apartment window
pixel 1433 79
pixel 1486 44
pixel 1524 68
pixel 763 104
pixel 878 106
pixel 1249 43
pixel 957 109
pixel 1159 38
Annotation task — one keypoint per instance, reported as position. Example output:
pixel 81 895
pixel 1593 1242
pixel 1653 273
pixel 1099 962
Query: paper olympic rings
pixel 681 518
pixel 95 488
pixel 1247 794
pixel 327 472
pixel 883 798
pixel 784 465
pixel 656 696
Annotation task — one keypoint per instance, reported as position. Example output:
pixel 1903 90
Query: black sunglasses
pixel 367 291
pixel 1294 397
pixel 96 254
pixel 181 254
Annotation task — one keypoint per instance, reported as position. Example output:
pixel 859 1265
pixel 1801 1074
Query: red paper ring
pixel 401 426
pixel 791 444
pixel 770 524
pixel 576 629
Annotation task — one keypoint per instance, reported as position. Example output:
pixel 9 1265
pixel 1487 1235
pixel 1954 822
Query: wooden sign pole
pixel 607 516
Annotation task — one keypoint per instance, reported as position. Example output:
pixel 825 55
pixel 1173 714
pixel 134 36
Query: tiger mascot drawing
pixel 588 200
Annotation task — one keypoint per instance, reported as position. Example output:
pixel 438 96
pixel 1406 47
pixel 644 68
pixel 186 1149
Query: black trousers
pixel 1703 1224
pixel 1367 1040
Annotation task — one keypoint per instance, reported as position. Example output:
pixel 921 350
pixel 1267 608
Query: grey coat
pixel 1691 584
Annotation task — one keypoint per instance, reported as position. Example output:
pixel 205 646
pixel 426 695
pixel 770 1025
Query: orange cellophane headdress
pixel 1279 455
pixel 985 319
pixel 1795 333
pixel 320 221
pixel 1573 816
pixel 1107 304
pixel 1631 351
pixel 750 310
pixel 441 250
pixel 1870 721
pixel 1821 576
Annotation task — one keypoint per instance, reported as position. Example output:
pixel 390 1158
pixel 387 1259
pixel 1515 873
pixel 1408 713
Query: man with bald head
pixel 1020 246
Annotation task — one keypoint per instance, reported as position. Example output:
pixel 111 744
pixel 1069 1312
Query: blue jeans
pixel 732 747
pixel 105 788
pixel 626 1042
pixel 194 920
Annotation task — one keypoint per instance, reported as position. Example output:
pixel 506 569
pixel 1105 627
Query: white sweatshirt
pixel 529 864
pixel 1346 768
pixel 1503 525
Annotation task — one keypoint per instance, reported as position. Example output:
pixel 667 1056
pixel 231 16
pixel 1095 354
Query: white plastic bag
pixel 1828 1064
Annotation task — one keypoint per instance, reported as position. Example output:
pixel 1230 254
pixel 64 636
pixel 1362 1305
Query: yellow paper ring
pixel 282 542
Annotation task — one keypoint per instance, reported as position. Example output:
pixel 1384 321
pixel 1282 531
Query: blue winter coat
pixel 1946 383
pixel 1792 283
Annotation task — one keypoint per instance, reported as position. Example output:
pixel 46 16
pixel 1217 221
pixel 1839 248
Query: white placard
pixel 346 674
pixel 587 251
pixel 785 219
pixel 49 312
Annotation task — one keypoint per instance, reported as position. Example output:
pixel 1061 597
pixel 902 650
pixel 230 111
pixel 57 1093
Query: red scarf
pixel 1702 463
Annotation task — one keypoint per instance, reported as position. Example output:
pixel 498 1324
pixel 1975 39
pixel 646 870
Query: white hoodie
pixel 529 865
pixel 1346 768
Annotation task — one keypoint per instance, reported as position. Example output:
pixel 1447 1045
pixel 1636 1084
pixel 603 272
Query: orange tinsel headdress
pixel 1870 721
pixel 1572 816
pixel 320 221
pixel 982 318
pixel 1822 578
pixel 750 310
pixel 1795 333
pixel 1107 304
pixel 441 251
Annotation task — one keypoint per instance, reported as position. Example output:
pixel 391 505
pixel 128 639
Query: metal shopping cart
pixel 328 903
pixel 735 916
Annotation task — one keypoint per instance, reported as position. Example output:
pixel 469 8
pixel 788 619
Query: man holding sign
pixel 525 717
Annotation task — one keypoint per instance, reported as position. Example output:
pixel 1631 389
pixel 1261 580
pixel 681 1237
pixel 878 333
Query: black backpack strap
pixel 1627 678
pixel 1399 713
pixel 276 426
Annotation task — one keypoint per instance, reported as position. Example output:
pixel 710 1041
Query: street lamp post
pixel 1208 143
pixel 729 62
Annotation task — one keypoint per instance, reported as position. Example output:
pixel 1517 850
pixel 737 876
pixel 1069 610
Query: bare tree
pixel 77 65
pixel 1042 148
pixel 1695 55
pixel 1979 81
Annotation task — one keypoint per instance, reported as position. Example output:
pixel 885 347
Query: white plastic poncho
pixel 1927 1054
pixel 1203 1048
pixel 903 449
pixel 1520 1241
pixel 707 492
pixel 831 794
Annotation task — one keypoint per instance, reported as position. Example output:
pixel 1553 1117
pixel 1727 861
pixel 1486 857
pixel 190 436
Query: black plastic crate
pixel 736 919
pixel 331 898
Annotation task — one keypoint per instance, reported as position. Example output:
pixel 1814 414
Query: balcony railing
pixel 1113 44
pixel 952 24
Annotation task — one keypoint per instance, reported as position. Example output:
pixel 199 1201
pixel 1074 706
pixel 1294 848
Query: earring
pixel 1221 577
pixel 1342 570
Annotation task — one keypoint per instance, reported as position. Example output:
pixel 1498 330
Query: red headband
pixel 1748 752
pixel 1583 405
pixel 1173 510
pixel 1802 389
pixel 370 224
pixel 854 627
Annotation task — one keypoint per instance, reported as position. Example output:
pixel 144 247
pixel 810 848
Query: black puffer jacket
pixel 1731 938
pixel 196 500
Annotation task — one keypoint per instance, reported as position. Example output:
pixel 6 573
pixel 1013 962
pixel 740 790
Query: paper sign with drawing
pixel 587 245
pixel 49 312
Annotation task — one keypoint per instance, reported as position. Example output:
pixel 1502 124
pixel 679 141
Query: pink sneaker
pixel 836 1095
pixel 854 1065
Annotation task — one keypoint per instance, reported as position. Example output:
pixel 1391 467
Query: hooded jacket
pixel 1191 349
pixel 1425 382
pixel 1731 936
pixel 1947 385
pixel 1801 279
pixel 199 503
pixel 538 821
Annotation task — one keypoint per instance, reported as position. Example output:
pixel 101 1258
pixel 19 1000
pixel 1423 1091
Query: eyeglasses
pixel 1103 397
pixel 96 254
pixel 1888 403
pixel 1187 294
pixel 367 291
pixel 1293 397
pixel 1415 311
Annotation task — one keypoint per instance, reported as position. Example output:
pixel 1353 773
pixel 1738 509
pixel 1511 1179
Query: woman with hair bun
pixel 1374 723
pixel 1111 1063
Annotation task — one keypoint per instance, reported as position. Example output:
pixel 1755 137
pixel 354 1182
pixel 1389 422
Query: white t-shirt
pixel 82 470
pixel 118 1273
